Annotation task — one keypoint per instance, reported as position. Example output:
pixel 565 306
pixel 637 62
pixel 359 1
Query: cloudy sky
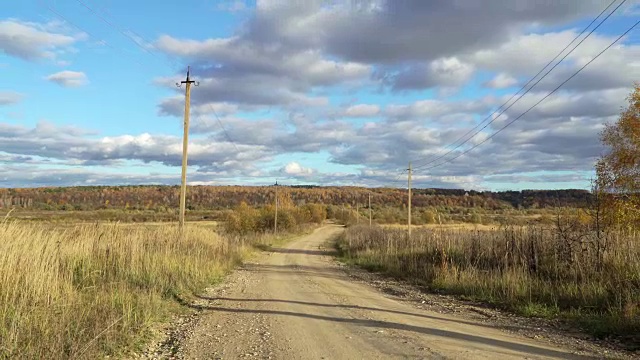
pixel 315 92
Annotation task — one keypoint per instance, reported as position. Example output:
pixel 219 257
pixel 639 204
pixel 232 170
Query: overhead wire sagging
pixel 541 100
pixel 502 109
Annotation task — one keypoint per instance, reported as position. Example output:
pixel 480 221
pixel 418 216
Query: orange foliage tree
pixel 618 170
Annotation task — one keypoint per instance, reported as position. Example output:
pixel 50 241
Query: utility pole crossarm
pixel 188 80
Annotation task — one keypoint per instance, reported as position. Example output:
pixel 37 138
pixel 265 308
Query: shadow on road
pixel 294 270
pixel 529 349
pixel 301 251
pixel 358 307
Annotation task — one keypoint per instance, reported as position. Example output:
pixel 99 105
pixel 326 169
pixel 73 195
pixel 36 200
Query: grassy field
pixel 88 290
pixel 592 279
pixel 457 226
pixel 111 215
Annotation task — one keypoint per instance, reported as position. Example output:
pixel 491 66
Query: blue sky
pixel 318 92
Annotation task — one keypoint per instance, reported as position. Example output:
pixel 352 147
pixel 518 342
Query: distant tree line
pixel 161 198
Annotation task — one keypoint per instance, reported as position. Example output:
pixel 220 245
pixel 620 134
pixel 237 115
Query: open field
pixel 455 226
pixel 73 286
pixel 90 283
pixel 80 291
pixel 591 279
pixel 111 215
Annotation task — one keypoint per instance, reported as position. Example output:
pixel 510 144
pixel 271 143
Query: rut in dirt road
pixel 295 303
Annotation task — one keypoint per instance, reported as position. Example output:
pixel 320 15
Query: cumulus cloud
pixel 68 78
pixel 526 54
pixel 362 110
pixel 295 169
pixel 399 31
pixel 291 55
pixel 444 72
pixel 67 143
pixel 174 106
pixel 240 71
pixel 301 58
pixel 438 110
pixel 10 97
pixel 34 41
pixel 501 81
pixel 549 140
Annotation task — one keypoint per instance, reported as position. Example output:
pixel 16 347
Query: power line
pixel 541 100
pixel 65 19
pixel 397 179
pixel 153 53
pixel 226 134
pixel 137 39
pixel 528 82
pixel 112 25
pixel 528 90
pixel 173 62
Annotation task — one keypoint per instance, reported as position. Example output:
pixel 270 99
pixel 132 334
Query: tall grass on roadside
pixel 91 290
pixel 533 270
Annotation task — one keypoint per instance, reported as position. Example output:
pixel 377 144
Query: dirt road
pixel 295 303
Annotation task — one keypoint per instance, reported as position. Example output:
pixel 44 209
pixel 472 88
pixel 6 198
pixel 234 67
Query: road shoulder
pixel 552 332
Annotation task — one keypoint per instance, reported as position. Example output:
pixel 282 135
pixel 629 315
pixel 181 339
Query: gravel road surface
pixel 295 302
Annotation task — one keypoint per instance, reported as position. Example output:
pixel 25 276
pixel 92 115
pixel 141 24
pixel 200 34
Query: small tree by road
pixel 618 170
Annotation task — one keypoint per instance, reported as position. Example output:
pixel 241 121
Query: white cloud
pixel 301 58
pixel 525 55
pixel 295 169
pixel 362 110
pixel 68 78
pixel 240 71
pixel 174 106
pixel 447 73
pixel 33 41
pixel 434 109
pixel 501 81
pixel 10 97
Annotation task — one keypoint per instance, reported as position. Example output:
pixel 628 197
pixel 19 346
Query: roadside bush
pixel 246 220
pixel 317 212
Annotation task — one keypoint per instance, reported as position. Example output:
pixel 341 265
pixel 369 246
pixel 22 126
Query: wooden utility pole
pixel 185 142
pixel 369 209
pixel 275 223
pixel 409 202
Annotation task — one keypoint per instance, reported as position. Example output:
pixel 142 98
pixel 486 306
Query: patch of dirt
pixel 169 340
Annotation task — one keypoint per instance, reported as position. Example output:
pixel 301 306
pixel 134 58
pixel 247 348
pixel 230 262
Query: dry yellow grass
pixel 89 290
pixel 456 226
pixel 592 277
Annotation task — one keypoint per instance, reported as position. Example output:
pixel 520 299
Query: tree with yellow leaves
pixel 618 170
